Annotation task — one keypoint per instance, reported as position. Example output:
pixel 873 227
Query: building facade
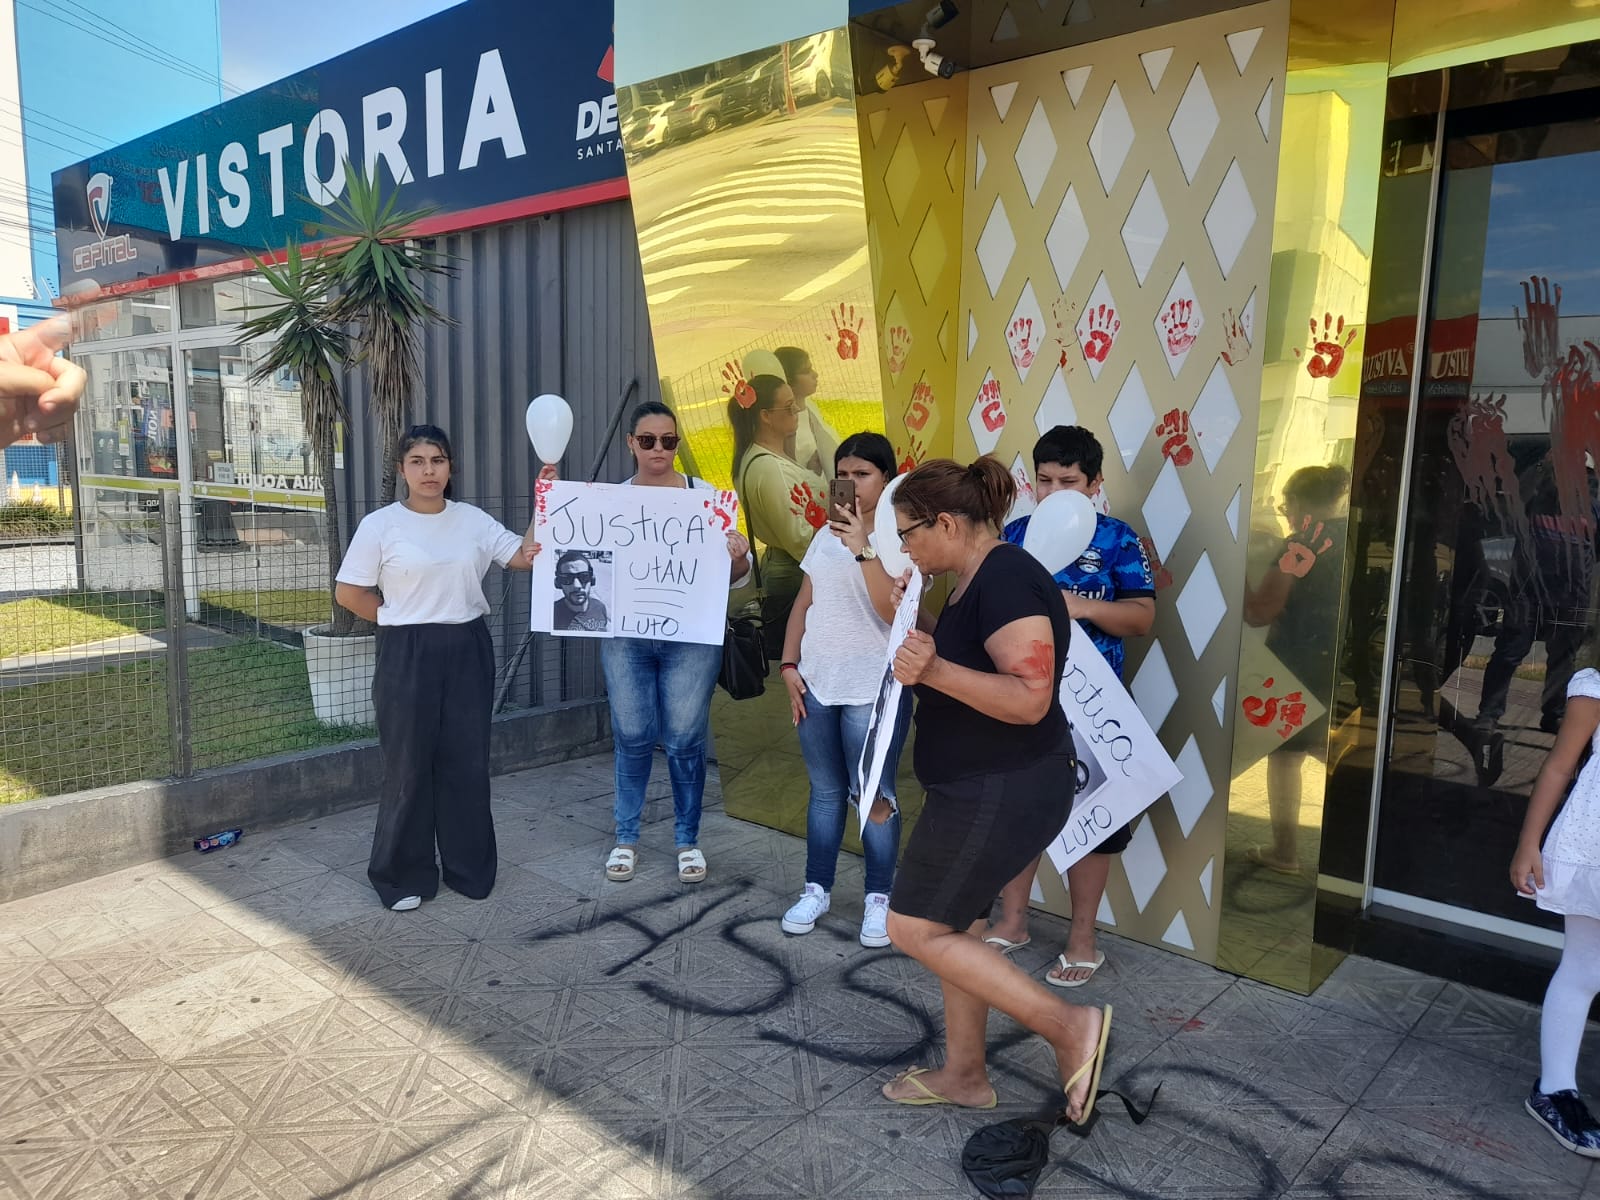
pixel 1318 279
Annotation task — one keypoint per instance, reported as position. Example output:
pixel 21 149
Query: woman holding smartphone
pixel 415 567
pixel 833 656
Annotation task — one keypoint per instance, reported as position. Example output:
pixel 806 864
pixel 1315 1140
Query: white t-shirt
pixel 843 648
pixel 429 566
pixel 702 485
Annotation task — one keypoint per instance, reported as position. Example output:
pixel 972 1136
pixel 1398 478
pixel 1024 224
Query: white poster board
pixel 633 561
pixel 1122 766
pixel 880 728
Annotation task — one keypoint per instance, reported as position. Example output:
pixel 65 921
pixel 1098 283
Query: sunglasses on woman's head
pixel 647 441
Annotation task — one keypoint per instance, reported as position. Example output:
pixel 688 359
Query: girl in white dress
pixel 1564 877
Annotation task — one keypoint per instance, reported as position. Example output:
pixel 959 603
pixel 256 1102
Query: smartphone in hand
pixel 841 497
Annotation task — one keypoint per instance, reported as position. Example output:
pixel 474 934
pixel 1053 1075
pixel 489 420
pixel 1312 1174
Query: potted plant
pixel 362 277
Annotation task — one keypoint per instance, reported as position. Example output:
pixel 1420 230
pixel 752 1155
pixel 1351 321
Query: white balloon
pixel 1060 529
pixel 549 426
pixel 891 553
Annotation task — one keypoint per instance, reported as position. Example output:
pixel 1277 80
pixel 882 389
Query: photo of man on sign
pixel 582 578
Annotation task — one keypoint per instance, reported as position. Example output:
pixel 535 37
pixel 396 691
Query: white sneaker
pixel 875 921
pixel 406 904
pixel 802 915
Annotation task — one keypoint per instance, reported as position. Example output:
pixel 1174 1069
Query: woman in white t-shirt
pixel 416 568
pixel 833 665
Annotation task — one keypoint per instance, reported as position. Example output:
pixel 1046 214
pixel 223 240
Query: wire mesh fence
pixel 171 638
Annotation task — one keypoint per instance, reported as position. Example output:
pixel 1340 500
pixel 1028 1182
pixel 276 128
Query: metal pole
pixel 177 623
pixel 1391 674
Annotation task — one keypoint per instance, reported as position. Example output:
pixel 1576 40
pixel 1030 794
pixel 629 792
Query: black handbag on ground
pixel 744 655
pixel 1004 1161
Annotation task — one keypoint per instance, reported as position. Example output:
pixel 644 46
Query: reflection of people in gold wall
pixel 784 503
pixel 1298 598
pixel 813 443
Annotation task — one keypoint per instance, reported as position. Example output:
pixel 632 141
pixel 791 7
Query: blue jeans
pixel 659 691
pixel 831 736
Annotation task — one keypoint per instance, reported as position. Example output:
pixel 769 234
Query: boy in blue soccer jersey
pixel 1110 590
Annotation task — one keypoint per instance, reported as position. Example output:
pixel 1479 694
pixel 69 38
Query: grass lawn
pixel 293 609
pixel 247 700
pixel 42 623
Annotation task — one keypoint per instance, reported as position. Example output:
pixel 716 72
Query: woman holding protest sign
pixel 660 690
pixel 416 568
pixel 833 655
pixel 992 748
pixel 783 502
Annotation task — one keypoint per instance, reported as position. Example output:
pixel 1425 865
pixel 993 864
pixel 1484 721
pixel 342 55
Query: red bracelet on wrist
pixel 788 666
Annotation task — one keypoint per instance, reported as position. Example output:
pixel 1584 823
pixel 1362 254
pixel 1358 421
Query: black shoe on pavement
pixel 1567 1119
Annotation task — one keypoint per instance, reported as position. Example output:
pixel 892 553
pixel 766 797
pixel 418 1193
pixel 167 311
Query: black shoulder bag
pixel 744 656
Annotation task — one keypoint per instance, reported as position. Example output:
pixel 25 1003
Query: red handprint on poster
pixel 804 501
pixel 1301 551
pixel 899 347
pixel 915 452
pixel 846 335
pixel 1103 329
pixel 919 409
pixel 1235 339
pixel 1064 329
pixel 991 409
pixel 735 385
pixel 1180 324
pixel 722 507
pixel 1174 429
pixel 1327 346
pixel 1023 342
pixel 1288 711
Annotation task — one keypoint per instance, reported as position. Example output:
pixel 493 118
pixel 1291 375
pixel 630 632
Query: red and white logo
pixel 103 249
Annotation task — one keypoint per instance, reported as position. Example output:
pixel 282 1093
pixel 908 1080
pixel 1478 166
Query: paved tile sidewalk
pixel 251 1024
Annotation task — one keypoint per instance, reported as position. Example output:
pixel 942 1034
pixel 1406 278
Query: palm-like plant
pixel 303 338
pixel 376 267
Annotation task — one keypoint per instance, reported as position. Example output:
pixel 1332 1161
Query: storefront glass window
pixel 246 434
pixel 131 316
pixel 128 411
pixel 1496 607
pixel 224 301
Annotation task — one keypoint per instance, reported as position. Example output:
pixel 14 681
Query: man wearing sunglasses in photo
pixel 578 607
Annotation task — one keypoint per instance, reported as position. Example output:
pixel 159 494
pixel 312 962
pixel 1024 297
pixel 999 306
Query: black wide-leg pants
pixel 433 689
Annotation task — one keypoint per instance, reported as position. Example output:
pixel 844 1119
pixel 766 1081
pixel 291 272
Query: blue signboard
pixel 497 105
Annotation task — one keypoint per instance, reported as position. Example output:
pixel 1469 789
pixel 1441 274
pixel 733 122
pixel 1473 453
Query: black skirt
pixel 976 834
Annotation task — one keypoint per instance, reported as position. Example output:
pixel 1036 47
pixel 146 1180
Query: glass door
pixel 1496 606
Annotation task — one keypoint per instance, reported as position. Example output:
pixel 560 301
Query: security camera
pixel 934 62
pixel 940 15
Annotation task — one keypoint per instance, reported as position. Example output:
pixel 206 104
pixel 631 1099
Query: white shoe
pixel 407 903
pixel 875 921
pixel 802 915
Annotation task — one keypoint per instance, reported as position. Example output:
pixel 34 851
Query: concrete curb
pixel 48 843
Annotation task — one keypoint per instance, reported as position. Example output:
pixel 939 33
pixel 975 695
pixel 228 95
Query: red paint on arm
pixel 1039 667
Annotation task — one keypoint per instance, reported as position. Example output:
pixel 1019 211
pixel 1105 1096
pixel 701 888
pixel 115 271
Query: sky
pixel 255 50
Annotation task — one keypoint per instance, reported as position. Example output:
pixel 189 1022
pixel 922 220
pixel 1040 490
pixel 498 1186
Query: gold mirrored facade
pixel 1201 229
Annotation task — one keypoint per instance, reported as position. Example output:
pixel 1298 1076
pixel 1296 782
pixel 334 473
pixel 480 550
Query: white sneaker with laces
pixel 875 921
pixel 406 904
pixel 803 913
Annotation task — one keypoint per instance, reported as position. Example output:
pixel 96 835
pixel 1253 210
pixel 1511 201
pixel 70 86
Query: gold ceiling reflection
pixel 747 198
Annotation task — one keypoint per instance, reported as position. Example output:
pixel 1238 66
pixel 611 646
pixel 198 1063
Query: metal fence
pixel 164 642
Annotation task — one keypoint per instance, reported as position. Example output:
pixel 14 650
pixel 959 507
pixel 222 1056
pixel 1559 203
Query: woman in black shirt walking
pixel 994 752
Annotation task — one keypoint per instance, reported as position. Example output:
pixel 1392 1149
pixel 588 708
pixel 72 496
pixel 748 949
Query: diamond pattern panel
pixel 1156 272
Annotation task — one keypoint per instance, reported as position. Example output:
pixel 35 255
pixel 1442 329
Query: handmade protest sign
pixel 1122 766
pixel 624 561
pixel 880 727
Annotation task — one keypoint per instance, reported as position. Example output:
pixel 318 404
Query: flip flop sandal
pixel 926 1095
pixel 1258 856
pixel 1065 964
pixel 691 866
pixel 1093 1067
pixel 619 867
pixel 1005 945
